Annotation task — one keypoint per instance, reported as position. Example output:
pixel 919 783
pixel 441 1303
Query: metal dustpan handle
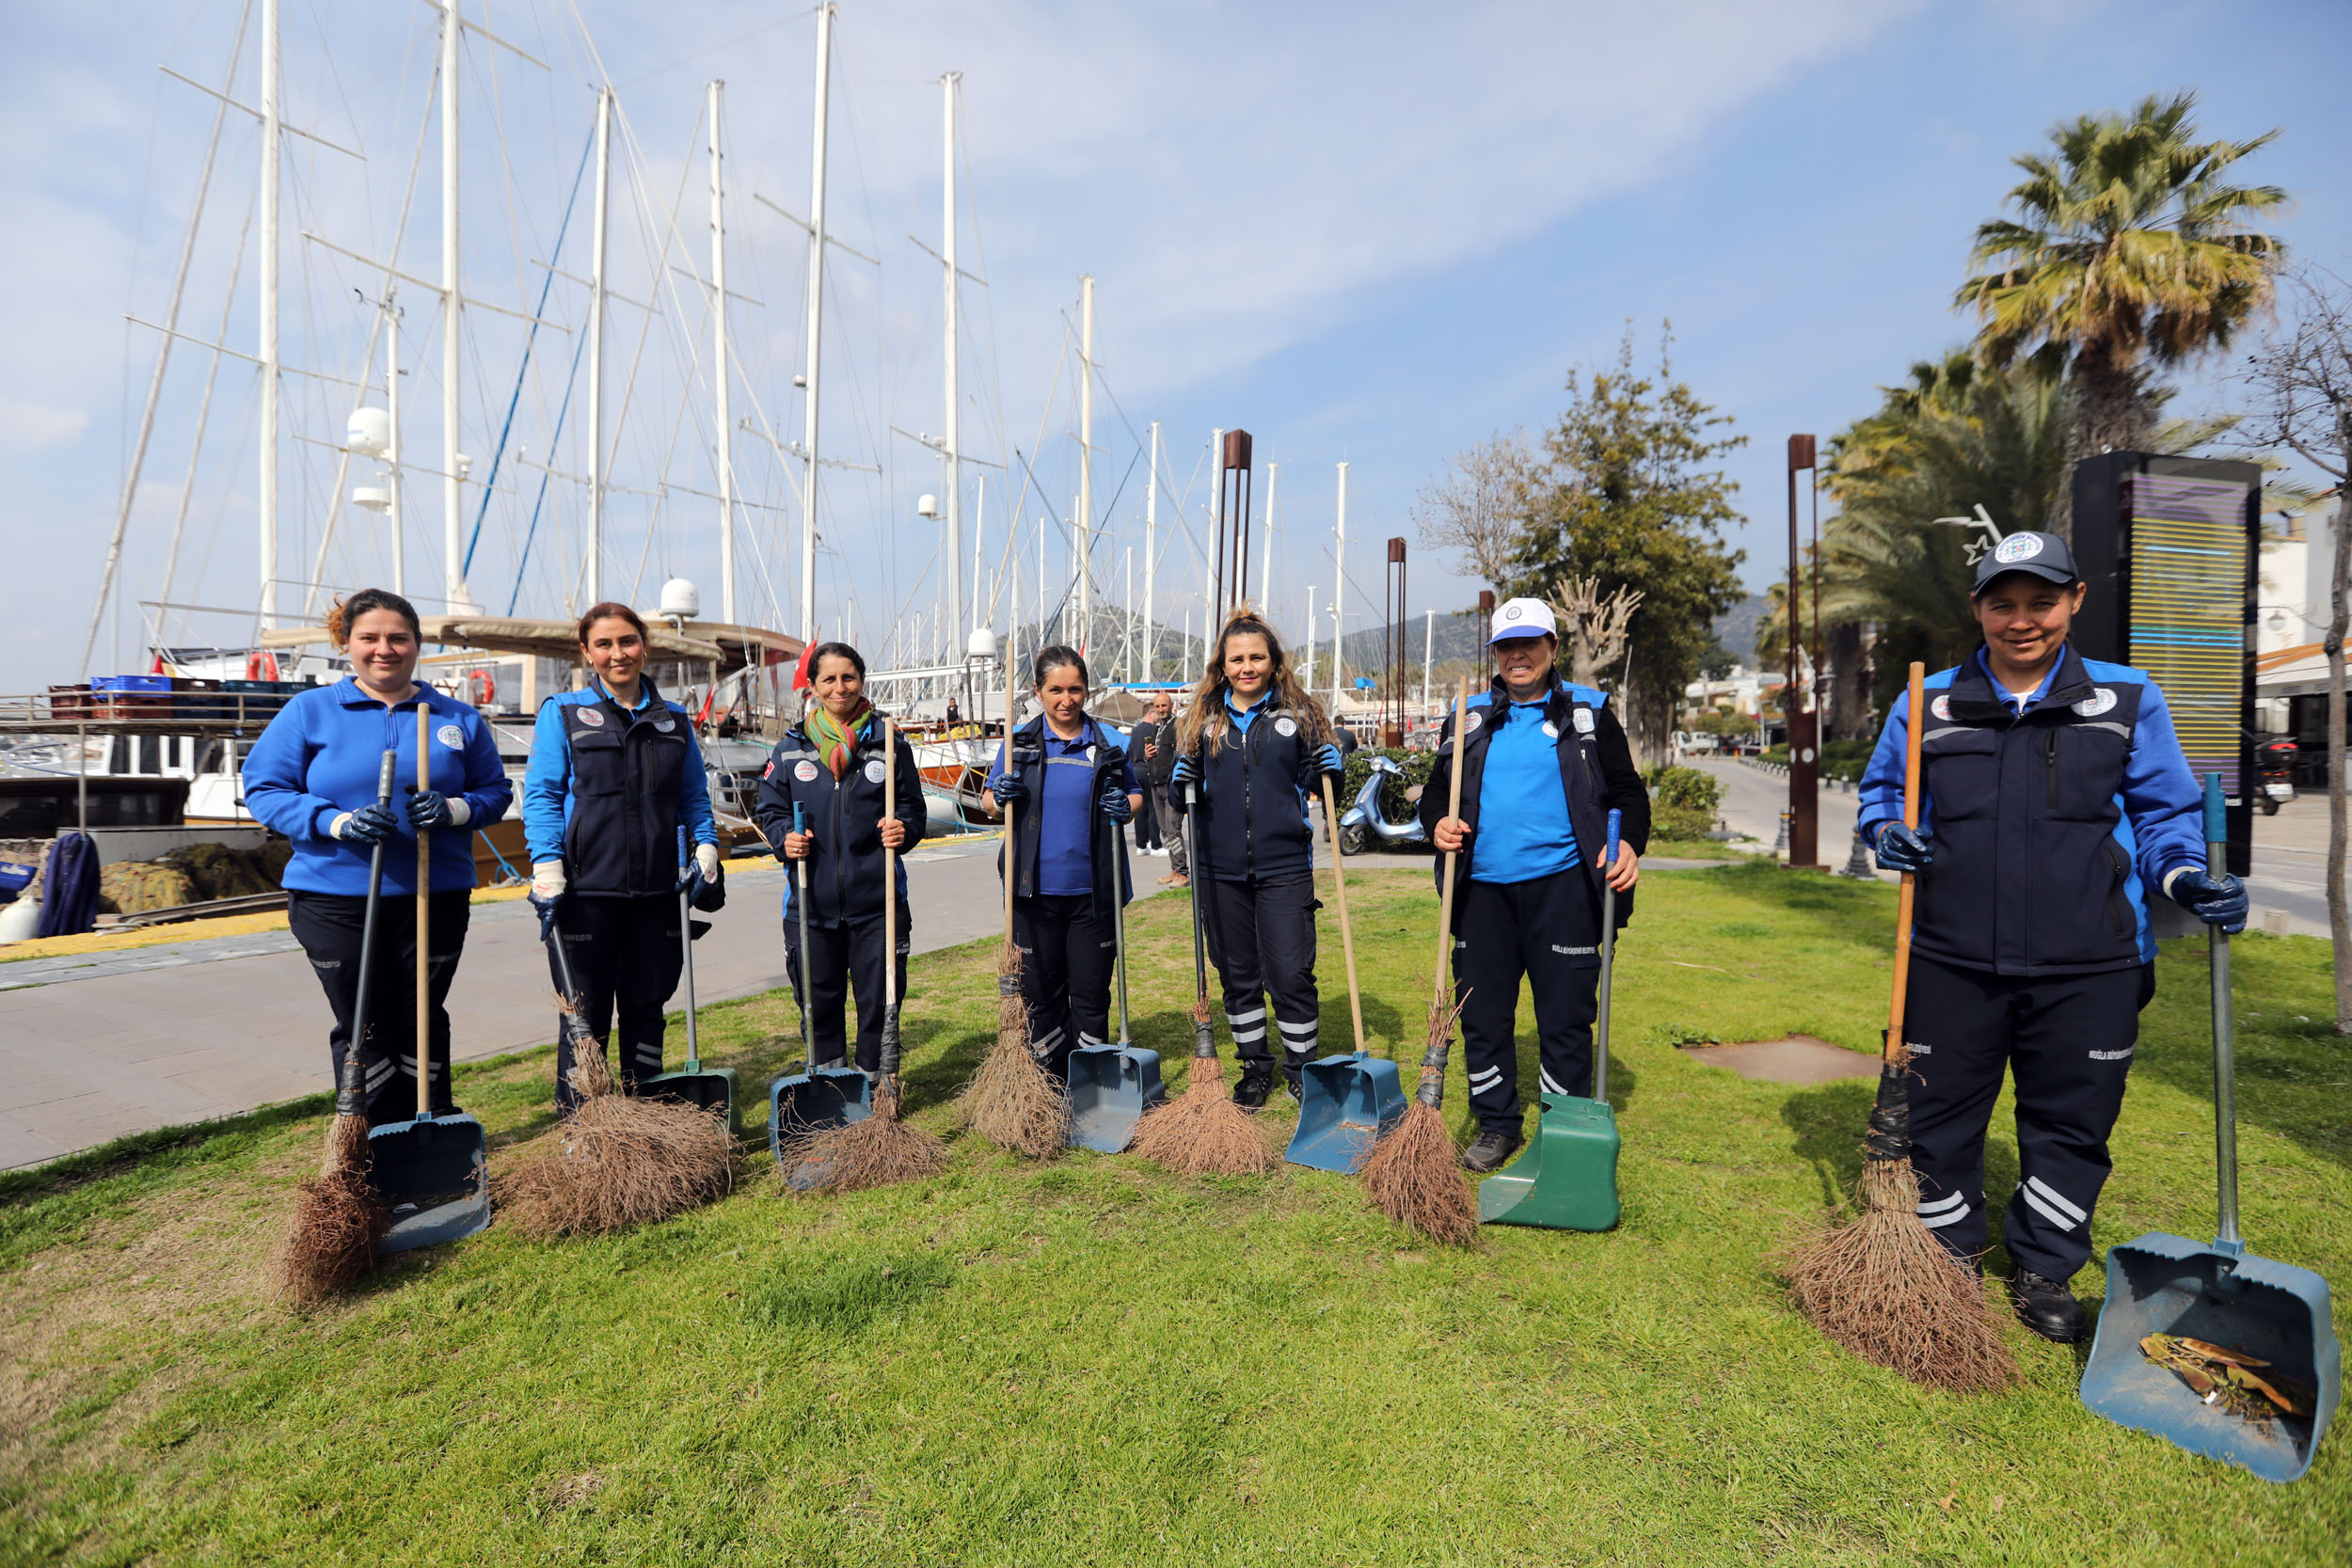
pixel 2224 1035
pixel 425 919
pixel 1608 957
pixel 685 945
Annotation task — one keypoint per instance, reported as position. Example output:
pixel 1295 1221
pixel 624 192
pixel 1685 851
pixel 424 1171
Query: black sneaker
pixel 1257 1083
pixel 2047 1307
pixel 1295 1078
pixel 1488 1150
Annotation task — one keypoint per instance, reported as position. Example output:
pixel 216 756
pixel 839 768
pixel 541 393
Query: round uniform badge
pixel 1584 721
pixel 665 726
pixel 2100 700
pixel 1941 707
pixel 1090 752
pixel 1286 726
pixel 2016 547
pixel 874 771
pixel 1472 721
pixel 593 717
pixel 1552 730
pixel 805 772
pixel 450 737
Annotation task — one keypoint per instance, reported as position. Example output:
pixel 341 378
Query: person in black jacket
pixel 831 764
pixel 1553 759
pixel 1252 747
pixel 1144 748
pixel 1066 776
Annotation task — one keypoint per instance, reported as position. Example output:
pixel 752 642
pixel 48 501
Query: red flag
pixel 800 671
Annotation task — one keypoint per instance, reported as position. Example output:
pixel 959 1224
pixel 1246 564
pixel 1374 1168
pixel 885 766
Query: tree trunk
pixel 2111 414
pixel 2339 613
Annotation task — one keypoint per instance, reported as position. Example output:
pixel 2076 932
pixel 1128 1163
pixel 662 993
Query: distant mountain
pixel 1736 627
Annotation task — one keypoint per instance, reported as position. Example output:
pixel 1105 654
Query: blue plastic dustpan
pixel 1110 1087
pixel 434 1175
pixel 2223 1294
pixel 810 1101
pixel 1344 1103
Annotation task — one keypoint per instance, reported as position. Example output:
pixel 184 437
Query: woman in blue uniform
pixel 1544 761
pixel 2057 802
pixel 830 764
pixel 615 773
pixel 1253 747
pixel 1066 775
pixel 313 776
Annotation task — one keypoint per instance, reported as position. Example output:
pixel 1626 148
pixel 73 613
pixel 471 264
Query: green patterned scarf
pixel 835 743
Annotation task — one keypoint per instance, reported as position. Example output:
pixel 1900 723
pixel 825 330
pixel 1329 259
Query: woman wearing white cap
pixel 1553 759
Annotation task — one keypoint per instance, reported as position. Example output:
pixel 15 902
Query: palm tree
pixel 2129 251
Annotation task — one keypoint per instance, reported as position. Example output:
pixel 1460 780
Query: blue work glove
pixel 1009 789
pixel 1328 760
pixel 1902 848
pixel 371 825
pixel 1187 772
pixel 430 808
pixel 2216 900
pixel 1114 804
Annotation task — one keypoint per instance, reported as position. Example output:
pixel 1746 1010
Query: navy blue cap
pixel 2041 555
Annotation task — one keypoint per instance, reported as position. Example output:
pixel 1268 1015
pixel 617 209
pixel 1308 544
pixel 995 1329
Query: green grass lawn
pixel 1094 1362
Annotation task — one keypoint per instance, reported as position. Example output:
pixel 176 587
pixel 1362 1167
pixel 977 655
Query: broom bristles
pixel 1413 1178
pixel 875 1153
pixel 1201 1132
pixel 338 1219
pixel 1012 1100
pixel 617 1161
pixel 1884 1287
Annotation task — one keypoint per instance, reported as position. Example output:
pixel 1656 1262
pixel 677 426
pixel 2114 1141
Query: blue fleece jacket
pixel 319 758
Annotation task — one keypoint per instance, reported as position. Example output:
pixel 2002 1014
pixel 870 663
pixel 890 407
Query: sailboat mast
pixel 949 437
pixel 456 600
pixel 1266 568
pixel 391 449
pixel 595 577
pixel 1086 457
pixel 270 140
pixel 1150 548
pixel 815 328
pixel 1339 597
pixel 720 374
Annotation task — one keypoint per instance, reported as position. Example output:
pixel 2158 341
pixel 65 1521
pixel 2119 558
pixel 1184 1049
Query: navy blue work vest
pixel 1110 762
pixel 845 868
pixel 2028 876
pixel 1252 811
pixel 622 838
pixel 1573 713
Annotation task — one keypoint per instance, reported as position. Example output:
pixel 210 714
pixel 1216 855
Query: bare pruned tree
pixel 1474 505
pixel 2302 384
pixel 1593 625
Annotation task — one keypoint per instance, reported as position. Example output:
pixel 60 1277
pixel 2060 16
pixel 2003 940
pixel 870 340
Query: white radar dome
pixel 368 432
pixel 680 600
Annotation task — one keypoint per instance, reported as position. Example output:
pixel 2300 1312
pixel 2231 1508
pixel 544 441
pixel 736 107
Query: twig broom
pixel 617 1161
pixel 881 1148
pixel 338 1217
pixel 1201 1132
pixel 1881 1284
pixel 1012 1101
pixel 1412 1173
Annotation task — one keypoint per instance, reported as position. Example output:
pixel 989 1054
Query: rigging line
pixel 203 413
pixel 562 409
pixel 522 369
pixel 1012 528
pixel 399 233
pixel 163 359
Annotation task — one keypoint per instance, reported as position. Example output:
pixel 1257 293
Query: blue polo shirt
pixel 1523 828
pixel 1066 815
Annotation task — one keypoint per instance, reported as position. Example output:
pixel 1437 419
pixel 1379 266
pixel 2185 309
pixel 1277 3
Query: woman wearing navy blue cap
pixel 1066 774
pixel 831 765
pixel 1252 748
pixel 1546 760
pixel 615 778
pixel 2058 801
pixel 313 776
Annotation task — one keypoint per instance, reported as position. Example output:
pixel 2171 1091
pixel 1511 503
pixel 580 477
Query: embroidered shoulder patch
pixel 1552 730
pixel 593 717
pixel 1472 721
pixel 1941 705
pixel 805 772
pixel 2100 700
pixel 665 726
pixel 1584 721
pixel 874 771
pixel 450 737
pixel 1286 726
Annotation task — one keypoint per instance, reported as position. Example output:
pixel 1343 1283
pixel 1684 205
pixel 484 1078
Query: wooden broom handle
pixel 1452 809
pixel 1892 1048
pixel 424 917
pixel 1347 934
pixel 1012 868
pixel 890 867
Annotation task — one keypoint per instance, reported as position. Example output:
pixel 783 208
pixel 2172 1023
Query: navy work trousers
pixel 1067 956
pixel 1546 931
pixel 844 957
pixel 625 960
pixel 1262 939
pixel 328 926
pixel 2068 1040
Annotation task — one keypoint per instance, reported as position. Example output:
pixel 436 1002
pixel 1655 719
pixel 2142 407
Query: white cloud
pixel 30 426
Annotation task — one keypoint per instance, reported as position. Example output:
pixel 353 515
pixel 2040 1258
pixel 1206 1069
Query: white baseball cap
pixel 1521 618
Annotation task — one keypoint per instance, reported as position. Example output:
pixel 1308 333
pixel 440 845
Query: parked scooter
pixel 1363 822
pixel 2274 770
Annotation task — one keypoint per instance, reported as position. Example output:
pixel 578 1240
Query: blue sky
pixel 1366 233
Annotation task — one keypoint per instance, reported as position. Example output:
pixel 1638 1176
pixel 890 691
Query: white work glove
pixel 707 860
pixel 547 881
